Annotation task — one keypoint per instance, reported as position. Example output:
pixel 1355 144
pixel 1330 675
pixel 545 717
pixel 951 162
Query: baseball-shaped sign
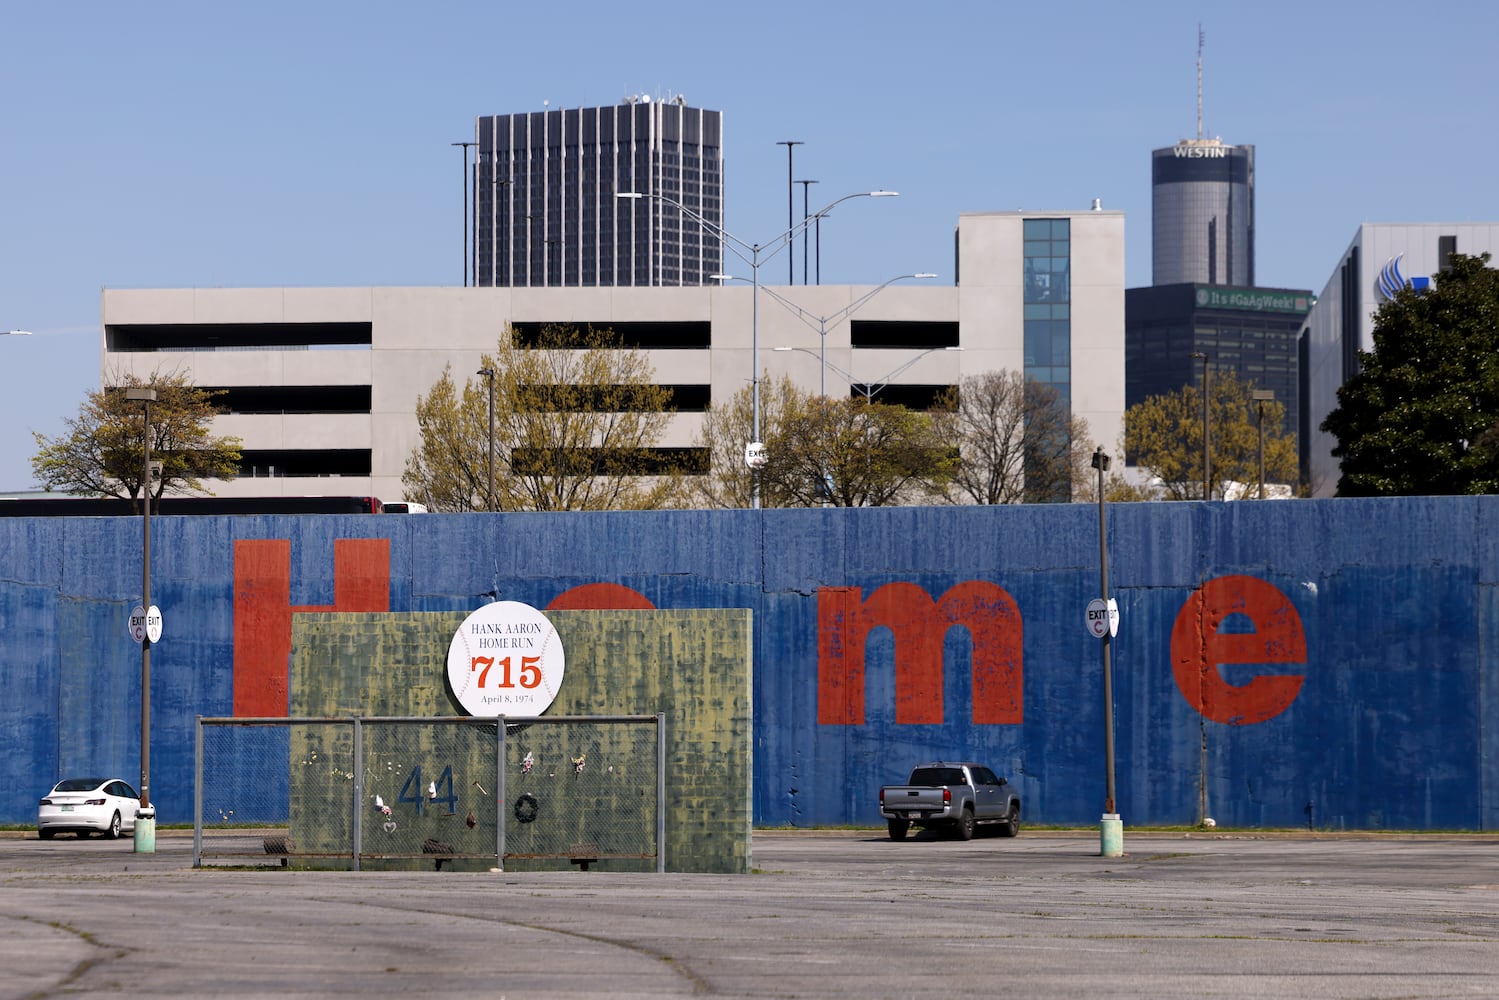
pixel 506 659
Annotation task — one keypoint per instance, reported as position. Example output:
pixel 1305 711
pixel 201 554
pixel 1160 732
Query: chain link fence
pixel 400 792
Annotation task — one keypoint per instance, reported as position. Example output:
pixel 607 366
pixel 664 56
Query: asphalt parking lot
pixel 826 914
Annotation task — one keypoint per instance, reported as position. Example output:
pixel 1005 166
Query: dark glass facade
pixel 1047 283
pixel 545 205
pixel 1251 332
pixel 1202 214
pixel 1048 302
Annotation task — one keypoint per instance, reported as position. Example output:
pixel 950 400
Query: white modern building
pixel 321 384
pixel 1380 259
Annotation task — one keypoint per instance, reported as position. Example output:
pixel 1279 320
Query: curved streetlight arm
pixel 883 381
pixel 776 244
pixel 734 243
pixel 822 324
pixel 811 353
pixel 758 253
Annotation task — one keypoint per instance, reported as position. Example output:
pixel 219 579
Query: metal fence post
pixel 499 793
pixel 661 793
pixel 358 800
pixel 198 792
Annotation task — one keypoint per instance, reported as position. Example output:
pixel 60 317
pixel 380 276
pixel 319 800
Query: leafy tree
pixel 102 453
pixel 577 419
pixel 856 453
pixel 1163 435
pixel 1420 416
pixel 729 482
pixel 839 452
pixel 1017 439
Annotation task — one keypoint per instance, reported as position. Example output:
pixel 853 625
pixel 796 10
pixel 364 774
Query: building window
pixel 1047 277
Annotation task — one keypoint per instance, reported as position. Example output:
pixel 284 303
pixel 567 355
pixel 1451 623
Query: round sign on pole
pixel 506 659
pixel 138 623
pixel 1098 618
pixel 1113 617
pixel 153 624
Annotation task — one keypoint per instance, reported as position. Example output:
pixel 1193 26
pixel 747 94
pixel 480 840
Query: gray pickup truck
pixel 956 795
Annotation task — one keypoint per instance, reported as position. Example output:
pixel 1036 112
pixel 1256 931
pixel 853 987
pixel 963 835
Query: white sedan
pixel 87 805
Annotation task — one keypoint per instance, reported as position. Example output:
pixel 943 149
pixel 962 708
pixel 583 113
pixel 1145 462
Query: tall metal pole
pixel 144 819
pixel 489 374
pixel 465 146
pixel 1262 449
pixel 805 231
pixel 1101 463
pixel 1207 452
pixel 501 253
pixel 1111 829
pixel 1261 397
pixel 1207 433
pixel 146 603
pixel 755 361
pixel 818 244
pixel 790 145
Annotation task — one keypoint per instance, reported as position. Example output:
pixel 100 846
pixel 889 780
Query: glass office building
pixel 545 207
pixel 1251 332
pixel 1202 214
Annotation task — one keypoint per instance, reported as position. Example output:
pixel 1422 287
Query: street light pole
pixel 465 146
pixel 753 254
pixel 805 185
pixel 1111 831
pixel 1261 397
pixel 1207 451
pixel 790 145
pixel 489 374
pixel 143 845
pixel 500 251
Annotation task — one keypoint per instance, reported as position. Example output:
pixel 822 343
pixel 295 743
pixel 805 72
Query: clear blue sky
pixel 293 143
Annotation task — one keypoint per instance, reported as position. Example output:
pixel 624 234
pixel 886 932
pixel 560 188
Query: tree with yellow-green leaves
pixel 821 451
pixel 577 417
pixel 1163 437
pixel 103 451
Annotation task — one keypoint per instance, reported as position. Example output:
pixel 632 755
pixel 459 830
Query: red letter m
pixel 919 626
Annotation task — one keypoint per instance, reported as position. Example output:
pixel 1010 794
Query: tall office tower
pixel 1202 209
pixel 1202 214
pixel 545 205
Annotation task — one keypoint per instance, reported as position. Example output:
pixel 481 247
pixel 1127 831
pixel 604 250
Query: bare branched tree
pixel 1017 438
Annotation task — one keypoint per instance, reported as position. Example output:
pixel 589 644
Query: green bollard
pixel 145 830
pixel 1111 836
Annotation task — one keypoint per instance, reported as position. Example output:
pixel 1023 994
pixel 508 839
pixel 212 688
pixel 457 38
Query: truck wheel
pixel 898 828
pixel 964 825
pixel 1011 826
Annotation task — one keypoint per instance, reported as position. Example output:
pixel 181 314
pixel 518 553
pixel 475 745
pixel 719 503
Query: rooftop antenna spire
pixel 1199 80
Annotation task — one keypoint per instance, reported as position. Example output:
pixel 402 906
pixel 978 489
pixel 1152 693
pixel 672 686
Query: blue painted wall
pixel 1392 727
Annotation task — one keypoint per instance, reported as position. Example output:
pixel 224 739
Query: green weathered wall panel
pixel 691 665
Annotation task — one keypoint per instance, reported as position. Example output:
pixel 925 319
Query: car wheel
pixel 113 833
pixel 964 825
pixel 898 828
pixel 1011 826
pixel 46 834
